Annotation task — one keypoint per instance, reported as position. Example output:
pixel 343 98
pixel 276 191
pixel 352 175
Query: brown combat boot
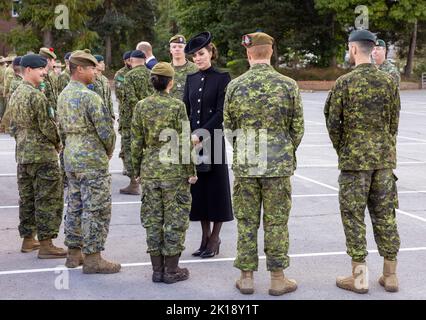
pixel 280 284
pixel 358 282
pixel 157 268
pixel 94 263
pixel 132 188
pixel 245 284
pixel 389 279
pixel 29 244
pixel 49 251
pixel 172 273
pixel 74 258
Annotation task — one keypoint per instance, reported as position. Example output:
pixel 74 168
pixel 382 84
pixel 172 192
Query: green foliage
pixel 237 67
pixel 23 39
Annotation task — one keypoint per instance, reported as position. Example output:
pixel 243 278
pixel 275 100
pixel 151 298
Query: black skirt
pixel 211 195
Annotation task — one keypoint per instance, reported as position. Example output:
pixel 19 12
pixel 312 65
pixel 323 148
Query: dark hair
pixel 366 47
pixel 73 67
pixel 212 48
pixel 160 83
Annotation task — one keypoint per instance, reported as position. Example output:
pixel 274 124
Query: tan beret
pixel 256 39
pixel 48 53
pixel 177 39
pixel 163 69
pixel 9 58
pixel 82 58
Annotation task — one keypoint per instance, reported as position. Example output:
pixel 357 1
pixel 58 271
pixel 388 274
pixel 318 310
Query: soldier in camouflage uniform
pixel 2 100
pixel 119 93
pixel 50 84
pixel 180 64
pixel 136 88
pixel 9 75
pixel 37 146
pixel 166 196
pixel 263 99
pixel 90 138
pixel 65 76
pixel 362 115
pixel 379 57
pixel 101 85
pixel 14 82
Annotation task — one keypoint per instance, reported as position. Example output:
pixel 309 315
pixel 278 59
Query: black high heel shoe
pixel 199 251
pixel 210 253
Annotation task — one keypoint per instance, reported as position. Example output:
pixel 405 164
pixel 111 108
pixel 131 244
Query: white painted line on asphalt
pixel 317 195
pixel 410 215
pixel 316 182
pixel 329 145
pixel 414 113
pixel 334 165
pixel 413 139
pixel 143 264
pixel 335 189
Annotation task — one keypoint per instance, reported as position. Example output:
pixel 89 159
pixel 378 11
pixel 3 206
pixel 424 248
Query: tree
pixel 37 17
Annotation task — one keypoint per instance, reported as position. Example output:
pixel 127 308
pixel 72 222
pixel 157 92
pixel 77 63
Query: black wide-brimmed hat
pixel 198 42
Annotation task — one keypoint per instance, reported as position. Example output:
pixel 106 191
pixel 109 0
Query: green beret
pixel 33 61
pixel 362 35
pixel 82 58
pixel 178 39
pixel 380 43
pixel 163 69
pixel 48 53
pixel 256 39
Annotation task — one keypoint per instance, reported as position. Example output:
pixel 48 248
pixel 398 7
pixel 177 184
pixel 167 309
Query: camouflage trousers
pixel 41 199
pixel 375 189
pixel 126 140
pixel 89 210
pixel 165 215
pixel 275 196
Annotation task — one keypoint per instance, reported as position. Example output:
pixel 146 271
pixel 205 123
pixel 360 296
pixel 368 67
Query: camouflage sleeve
pixel 46 122
pixel 396 108
pixel 100 117
pixel 297 122
pixel 109 99
pixel 396 75
pixel 131 98
pixel 186 144
pixel 186 98
pixel 138 140
pixel 229 123
pixel 333 113
pixel 216 119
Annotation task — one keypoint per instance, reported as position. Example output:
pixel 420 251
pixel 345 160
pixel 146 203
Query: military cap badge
pixel 246 41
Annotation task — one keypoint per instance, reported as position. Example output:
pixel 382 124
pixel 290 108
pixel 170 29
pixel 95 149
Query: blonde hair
pixel 261 52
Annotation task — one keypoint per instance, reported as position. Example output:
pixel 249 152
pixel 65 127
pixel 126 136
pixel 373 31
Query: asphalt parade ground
pixel 317 244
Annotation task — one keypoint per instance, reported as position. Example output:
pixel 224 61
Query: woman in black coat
pixel 204 97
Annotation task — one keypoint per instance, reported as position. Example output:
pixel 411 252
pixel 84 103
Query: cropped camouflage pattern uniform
pixel 166 197
pixel 39 179
pixel 136 88
pixel 119 93
pixel 390 68
pixel 362 115
pixel 180 78
pixel 63 80
pixel 101 87
pixel 259 99
pixel 50 88
pixel 90 138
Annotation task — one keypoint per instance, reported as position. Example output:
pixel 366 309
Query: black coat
pixel 204 96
